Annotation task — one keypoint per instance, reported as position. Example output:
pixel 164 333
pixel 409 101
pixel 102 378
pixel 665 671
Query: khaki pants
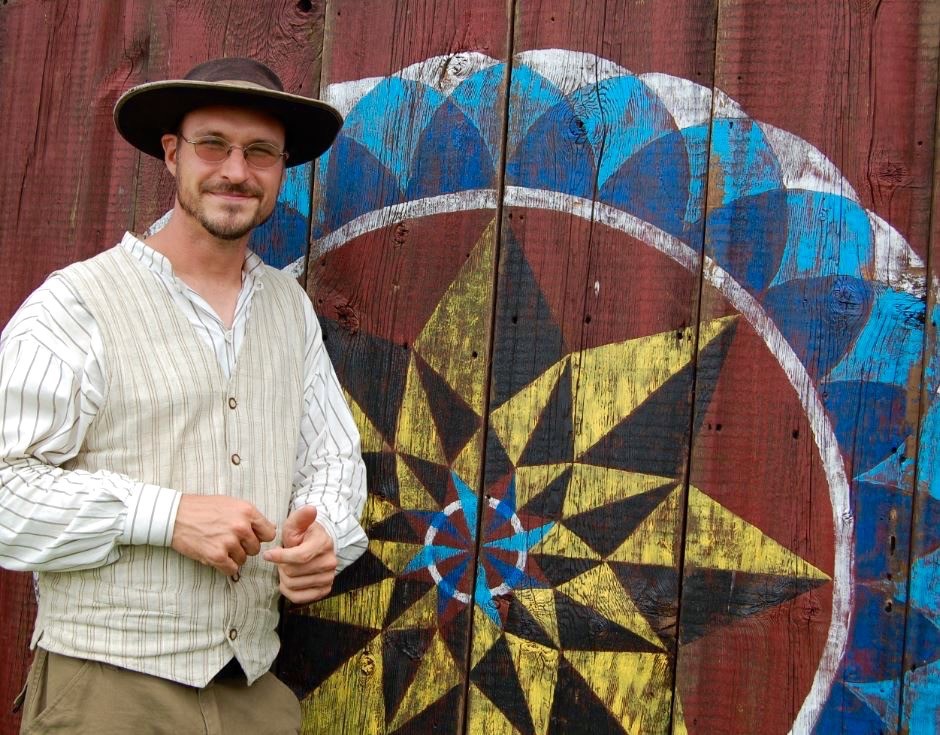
pixel 70 695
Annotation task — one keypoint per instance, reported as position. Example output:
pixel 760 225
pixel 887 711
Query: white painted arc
pixel 842 519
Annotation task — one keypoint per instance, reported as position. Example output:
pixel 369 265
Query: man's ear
pixel 170 145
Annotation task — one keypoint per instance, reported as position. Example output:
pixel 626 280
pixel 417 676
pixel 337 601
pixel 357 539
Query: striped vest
pixel 171 418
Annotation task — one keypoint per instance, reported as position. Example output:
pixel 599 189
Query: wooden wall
pixel 635 305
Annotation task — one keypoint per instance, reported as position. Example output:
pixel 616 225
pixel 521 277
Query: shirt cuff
pixel 328 526
pixel 151 514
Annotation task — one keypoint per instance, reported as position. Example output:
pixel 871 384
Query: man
pixel 165 406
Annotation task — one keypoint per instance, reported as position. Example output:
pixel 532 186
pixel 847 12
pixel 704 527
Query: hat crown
pixel 235 70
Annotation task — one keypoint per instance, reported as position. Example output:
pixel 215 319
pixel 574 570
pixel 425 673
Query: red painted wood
pixel 376 295
pixel 65 187
pixel 600 287
pixel 65 192
pixel 919 710
pixel 857 79
pixel 850 79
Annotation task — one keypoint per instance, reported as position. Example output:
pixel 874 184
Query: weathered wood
pixel 787 225
pixel 65 187
pixel 920 697
pixel 406 304
pixel 548 553
pixel 591 398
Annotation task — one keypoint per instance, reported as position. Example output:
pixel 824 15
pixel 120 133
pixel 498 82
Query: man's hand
pixel 306 562
pixel 220 531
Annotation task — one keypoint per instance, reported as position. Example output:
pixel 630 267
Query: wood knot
pixel 400 235
pixel 367 665
pixel 347 318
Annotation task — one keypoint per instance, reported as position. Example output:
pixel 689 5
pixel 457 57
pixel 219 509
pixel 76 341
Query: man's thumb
pixel 296 525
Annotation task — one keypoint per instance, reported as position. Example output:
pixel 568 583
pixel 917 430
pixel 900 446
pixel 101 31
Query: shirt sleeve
pixel 330 474
pixel 51 385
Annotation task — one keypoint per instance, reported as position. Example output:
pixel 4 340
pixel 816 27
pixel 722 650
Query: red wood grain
pixel 383 286
pixel 856 78
pixel 919 684
pixel 65 187
pixel 66 190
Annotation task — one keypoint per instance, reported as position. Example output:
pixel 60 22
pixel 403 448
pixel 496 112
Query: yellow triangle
pixel 354 690
pixel 485 717
pixel 436 676
pixel 412 495
pixel 541 605
pixel 600 590
pixel 561 541
pixel 614 379
pixel 365 606
pixel 423 614
pixel 467 463
pixel 532 480
pixel 485 634
pixel 655 542
pixel 537 669
pixel 516 419
pixel 718 539
pixel 369 436
pixel 417 432
pixel 376 510
pixel 394 554
pixel 594 487
pixel 636 687
pixel 455 338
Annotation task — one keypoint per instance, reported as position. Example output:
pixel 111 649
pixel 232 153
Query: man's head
pixel 229 165
pixel 144 114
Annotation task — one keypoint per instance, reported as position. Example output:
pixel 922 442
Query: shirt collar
pixel 252 268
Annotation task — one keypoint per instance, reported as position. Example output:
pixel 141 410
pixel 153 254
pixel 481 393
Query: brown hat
pixel 146 112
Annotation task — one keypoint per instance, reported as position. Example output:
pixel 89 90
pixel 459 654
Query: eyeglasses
pixel 213 149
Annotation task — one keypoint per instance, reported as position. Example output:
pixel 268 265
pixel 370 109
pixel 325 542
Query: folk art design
pixel 542 536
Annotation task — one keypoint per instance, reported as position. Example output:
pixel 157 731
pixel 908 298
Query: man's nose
pixel 235 167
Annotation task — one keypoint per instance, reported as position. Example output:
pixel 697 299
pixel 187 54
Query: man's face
pixel 228 198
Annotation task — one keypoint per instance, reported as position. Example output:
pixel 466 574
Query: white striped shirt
pixel 52 383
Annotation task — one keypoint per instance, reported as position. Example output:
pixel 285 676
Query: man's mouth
pixel 233 192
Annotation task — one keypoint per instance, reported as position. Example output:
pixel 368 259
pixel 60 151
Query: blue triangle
pixel 882 698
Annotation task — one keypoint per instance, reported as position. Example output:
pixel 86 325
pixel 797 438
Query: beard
pixel 229 225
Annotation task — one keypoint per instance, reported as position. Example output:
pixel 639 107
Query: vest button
pixel 236 577
pixel 236 459
pixel 232 403
pixel 232 634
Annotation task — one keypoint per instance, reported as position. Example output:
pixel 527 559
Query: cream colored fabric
pixel 171 418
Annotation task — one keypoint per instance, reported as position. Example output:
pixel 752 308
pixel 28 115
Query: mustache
pixel 242 189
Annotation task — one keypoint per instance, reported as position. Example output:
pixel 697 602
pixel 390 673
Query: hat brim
pixel 144 114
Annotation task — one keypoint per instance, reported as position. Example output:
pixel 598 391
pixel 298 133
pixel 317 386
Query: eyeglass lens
pixel 215 150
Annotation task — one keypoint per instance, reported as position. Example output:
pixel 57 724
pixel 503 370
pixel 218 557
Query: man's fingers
pixel 297 524
pixel 220 531
pixel 263 529
pixel 322 579
pixel 305 557
pixel 303 595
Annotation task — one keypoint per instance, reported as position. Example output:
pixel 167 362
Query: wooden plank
pixel 817 210
pixel 65 188
pixel 920 697
pixel 593 364
pixel 403 276
pixel 286 35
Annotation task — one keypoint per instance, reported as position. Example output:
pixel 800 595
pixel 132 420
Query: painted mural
pixel 542 532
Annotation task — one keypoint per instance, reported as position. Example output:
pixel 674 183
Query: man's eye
pixel 213 144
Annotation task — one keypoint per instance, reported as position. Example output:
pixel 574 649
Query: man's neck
pixel 208 265
pixel 193 252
